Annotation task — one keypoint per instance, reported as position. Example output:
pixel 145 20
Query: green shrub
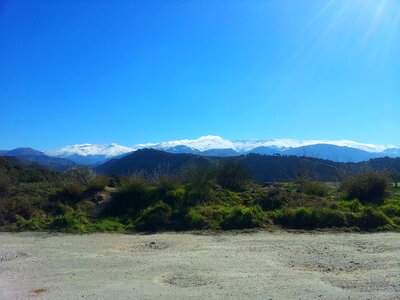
pixel 241 217
pixel 169 191
pixel 369 187
pixel 74 222
pixel 199 182
pixel 232 176
pixel 273 199
pixel 130 198
pixel 59 208
pixel 156 217
pixel 98 183
pixel 310 218
pixel 348 205
pixel 369 219
pixel 5 185
pixel 315 188
pixel 71 194
pixel 396 221
pixel 80 175
pixel 11 207
pixel 391 210
pixel 194 219
pixel 106 225
pixel 36 223
pixel 84 206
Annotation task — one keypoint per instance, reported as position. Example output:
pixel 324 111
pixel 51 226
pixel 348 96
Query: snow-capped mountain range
pixel 215 142
pixel 339 150
pixel 91 149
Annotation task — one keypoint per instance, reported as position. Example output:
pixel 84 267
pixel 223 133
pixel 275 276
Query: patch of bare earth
pixel 259 265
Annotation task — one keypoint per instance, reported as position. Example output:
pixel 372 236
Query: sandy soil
pixel 259 265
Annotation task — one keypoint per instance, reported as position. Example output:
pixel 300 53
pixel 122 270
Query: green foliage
pixel 80 175
pixel 369 218
pixel 71 194
pixel 310 218
pixel 396 221
pixel 391 210
pixel 106 225
pixel 240 217
pixel 315 188
pixel 232 176
pixel 208 198
pixel 195 219
pixel 98 183
pixel 369 187
pixel 131 197
pixel 226 217
pixel 199 182
pixel 75 222
pixel 395 177
pixel 273 198
pixel 348 206
pixel 12 207
pixel 155 217
pixel 169 191
pixel 37 223
pixel 5 186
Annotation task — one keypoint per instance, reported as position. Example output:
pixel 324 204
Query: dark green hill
pixel 262 167
pixel 32 155
pixel 150 161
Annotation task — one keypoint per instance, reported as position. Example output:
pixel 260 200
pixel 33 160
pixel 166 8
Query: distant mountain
pixel 39 157
pixel 150 161
pixel 220 152
pixel 332 152
pixel 88 159
pixel 90 154
pixel 210 152
pixel 392 152
pixel 21 162
pixel 242 146
pixel 340 150
pixel 21 152
pixel 323 151
pixel 182 149
pixel 266 150
pixel 265 168
pixel 262 167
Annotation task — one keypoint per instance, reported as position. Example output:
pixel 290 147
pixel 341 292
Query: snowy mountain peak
pixel 211 142
pixel 91 149
pixel 202 143
pixel 216 142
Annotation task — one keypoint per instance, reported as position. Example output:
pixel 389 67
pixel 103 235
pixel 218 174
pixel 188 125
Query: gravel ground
pixel 260 265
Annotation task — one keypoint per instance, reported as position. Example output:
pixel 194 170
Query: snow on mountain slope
pixel 211 142
pixel 215 142
pixel 91 149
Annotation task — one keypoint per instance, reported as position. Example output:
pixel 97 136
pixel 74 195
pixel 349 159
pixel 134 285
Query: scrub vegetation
pixel 202 197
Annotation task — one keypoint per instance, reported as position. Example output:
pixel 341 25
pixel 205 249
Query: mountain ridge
pixel 339 150
pixel 264 168
pixel 35 156
pixel 347 151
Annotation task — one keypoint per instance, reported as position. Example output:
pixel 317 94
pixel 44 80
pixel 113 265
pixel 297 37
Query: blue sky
pixel 146 71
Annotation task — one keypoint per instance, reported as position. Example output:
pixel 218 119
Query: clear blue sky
pixel 142 71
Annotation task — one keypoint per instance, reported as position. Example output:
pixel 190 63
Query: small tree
pixel 395 178
pixel 81 175
pixel 199 181
pixel 232 176
pixel 366 187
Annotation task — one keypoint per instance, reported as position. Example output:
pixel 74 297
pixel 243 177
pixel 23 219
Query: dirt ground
pixel 260 265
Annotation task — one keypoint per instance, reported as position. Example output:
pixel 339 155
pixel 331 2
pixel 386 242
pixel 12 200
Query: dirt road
pixel 259 265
